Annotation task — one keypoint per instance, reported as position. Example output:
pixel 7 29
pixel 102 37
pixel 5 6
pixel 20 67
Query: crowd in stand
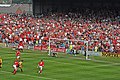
pixel 100 27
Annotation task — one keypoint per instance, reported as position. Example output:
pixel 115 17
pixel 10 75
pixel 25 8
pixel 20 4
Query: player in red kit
pixel 15 65
pixel 40 66
pixel 18 54
pixel 20 46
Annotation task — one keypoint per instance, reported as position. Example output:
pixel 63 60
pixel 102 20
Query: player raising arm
pixel 40 66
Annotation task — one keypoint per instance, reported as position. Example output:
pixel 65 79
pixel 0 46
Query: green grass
pixel 64 67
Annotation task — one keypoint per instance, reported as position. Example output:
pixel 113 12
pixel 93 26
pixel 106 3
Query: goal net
pixel 69 46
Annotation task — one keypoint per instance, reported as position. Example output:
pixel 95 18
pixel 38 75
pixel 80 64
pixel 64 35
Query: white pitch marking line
pixel 29 75
pixel 112 64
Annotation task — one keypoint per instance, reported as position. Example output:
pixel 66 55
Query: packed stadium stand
pixel 101 26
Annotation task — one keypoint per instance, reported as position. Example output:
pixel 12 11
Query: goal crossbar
pixel 86 42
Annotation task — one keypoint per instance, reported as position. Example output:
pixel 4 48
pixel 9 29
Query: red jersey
pixel 16 63
pixel 21 44
pixel 18 53
pixel 41 63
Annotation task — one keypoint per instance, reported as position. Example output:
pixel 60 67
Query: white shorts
pixel 18 57
pixel 20 47
pixel 40 67
pixel 15 67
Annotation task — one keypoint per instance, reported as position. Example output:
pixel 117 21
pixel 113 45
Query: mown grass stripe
pixel 28 75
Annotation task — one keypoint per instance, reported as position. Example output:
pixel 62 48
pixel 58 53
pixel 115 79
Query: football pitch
pixel 63 67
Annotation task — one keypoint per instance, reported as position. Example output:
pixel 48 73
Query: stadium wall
pixel 14 7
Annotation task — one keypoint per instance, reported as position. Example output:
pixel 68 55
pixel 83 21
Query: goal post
pixel 50 46
pixel 61 45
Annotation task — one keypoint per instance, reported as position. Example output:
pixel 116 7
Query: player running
pixel 20 65
pixel 18 54
pixel 20 46
pixel 15 66
pixel 40 66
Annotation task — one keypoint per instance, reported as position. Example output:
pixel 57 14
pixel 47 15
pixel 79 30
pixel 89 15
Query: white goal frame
pixel 85 42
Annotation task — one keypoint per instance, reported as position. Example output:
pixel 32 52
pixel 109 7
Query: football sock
pixel 21 70
pixel 14 71
pixel 40 71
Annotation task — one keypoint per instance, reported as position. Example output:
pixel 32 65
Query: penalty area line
pixel 95 66
pixel 29 75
